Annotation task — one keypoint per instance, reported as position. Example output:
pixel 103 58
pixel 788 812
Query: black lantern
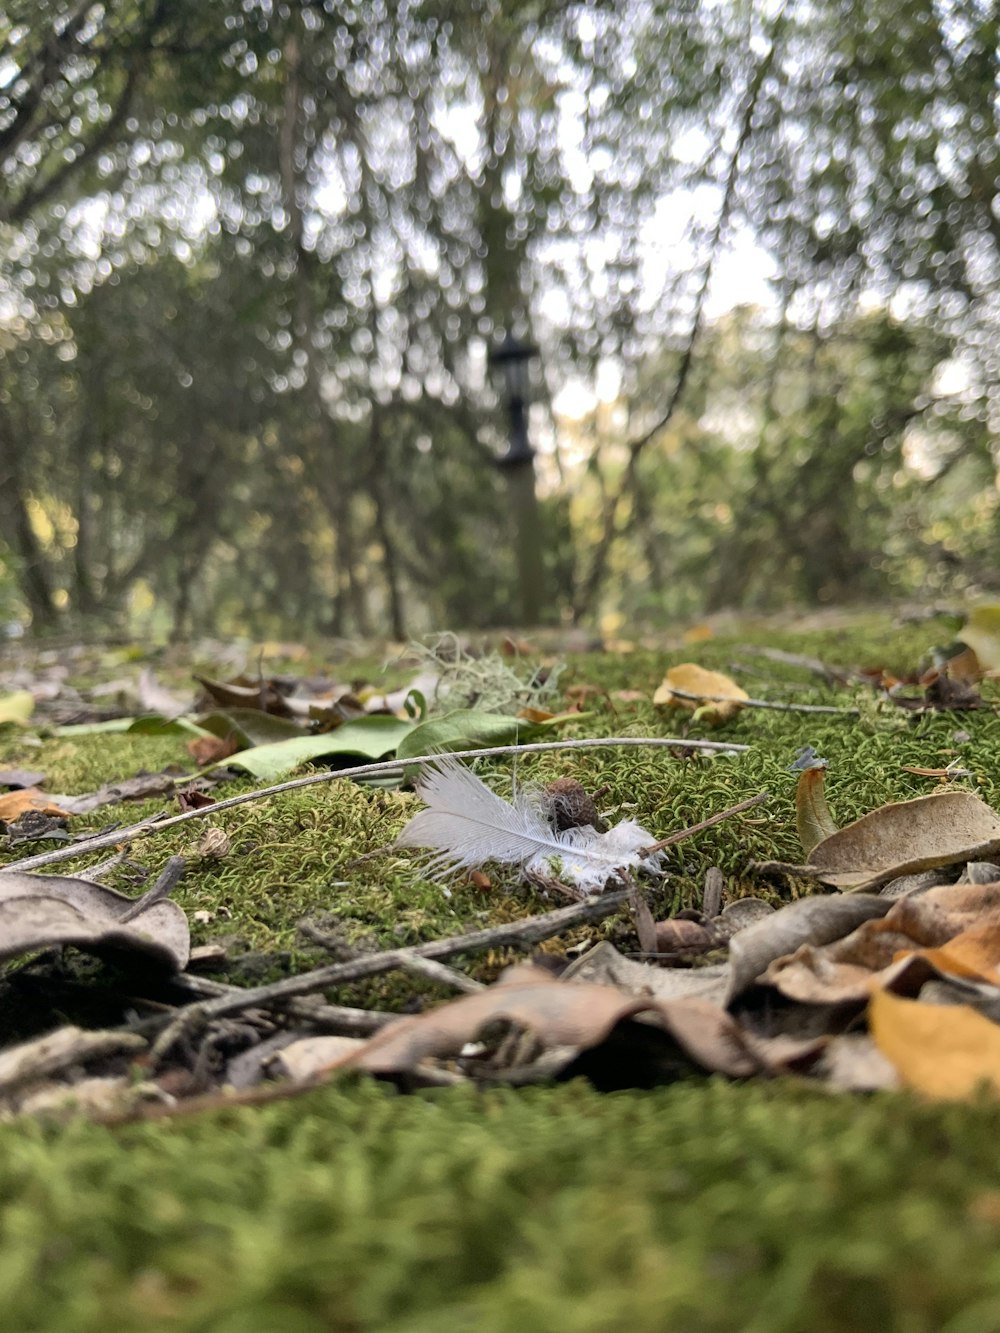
pixel 511 362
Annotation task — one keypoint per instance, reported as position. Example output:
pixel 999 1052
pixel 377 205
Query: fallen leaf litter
pixel 896 980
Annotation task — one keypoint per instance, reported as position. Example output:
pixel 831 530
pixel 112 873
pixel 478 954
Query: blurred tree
pixel 251 255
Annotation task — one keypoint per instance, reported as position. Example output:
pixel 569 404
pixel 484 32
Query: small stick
pixel 763 703
pixel 167 880
pixel 835 674
pixel 337 1018
pixel 683 833
pixel 105 867
pixel 517 934
pixel 420 967
pixel 711 902
pixel 129 834
pixel 443 975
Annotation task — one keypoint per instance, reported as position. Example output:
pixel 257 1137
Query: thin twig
pixel 387 766
pixel 832 674
pixel 683 833
pixel 511 934
pixel 763 703
pixel 741 669
pixel 711 899
pixel 105 867
pixel 167 880
pixel 420 967
pixel 344 1020
pixel 443 975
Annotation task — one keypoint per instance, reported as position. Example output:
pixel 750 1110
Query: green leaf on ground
pixel 250 726
pixel 470 729
pixel 152 724
pixel 368 737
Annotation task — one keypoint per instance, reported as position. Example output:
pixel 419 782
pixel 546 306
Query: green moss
pixel 700 1207
pixel 703 1207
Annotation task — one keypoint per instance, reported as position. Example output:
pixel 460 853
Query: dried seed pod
pixel 213 844
pixel 569 805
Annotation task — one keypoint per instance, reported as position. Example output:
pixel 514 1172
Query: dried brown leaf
pixel 812 815
pixel 262 695
pixel 810 921
pixel 156 698
pixel 678 935
pixel 310 1056
pixel 571 1018
pixel 953 929
pixel 906 837
pixel 138 788
pixel 14 804
pixel 604 965
pixel 205 750
pixel 42 911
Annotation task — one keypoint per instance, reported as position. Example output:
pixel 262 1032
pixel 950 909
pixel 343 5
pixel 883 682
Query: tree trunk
pixel 18 533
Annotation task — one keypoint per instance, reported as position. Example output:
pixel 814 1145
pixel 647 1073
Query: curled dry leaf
pixel 205 750
pixel 954 930
pixel 243 692
pixel 604 965
pixel 719 696
pixel 213 844
pixel 810 921
pixel 156 698
pixel 680 935
pixel 906 837
pixel 138 788
pixel 568 1018
pixel 43 911
pixel 739 915
pixel 812 815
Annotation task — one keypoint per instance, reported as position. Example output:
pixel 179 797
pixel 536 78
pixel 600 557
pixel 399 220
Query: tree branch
pixel 609 518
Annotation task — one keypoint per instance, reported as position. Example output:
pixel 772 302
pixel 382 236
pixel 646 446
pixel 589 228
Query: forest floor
pixel 771 1207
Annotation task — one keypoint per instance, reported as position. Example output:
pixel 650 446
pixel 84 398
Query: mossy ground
pixel 700 1206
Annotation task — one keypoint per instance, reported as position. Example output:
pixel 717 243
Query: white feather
pixel 467 824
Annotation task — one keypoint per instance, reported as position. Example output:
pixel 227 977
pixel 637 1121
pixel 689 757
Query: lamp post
pixel 510 361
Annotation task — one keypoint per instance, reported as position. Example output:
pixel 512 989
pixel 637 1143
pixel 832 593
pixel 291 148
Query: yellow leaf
pixel 14 804
pixel 16 707
pixel 537 715
pixel 982 634
pixel 973 953
pixel 722 695
pixel 698 633
pixel 947 1051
